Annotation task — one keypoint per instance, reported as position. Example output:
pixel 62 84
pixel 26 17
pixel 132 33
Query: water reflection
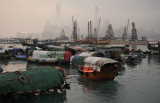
pixel 140 84
pixel 12 65
pixel 154 59
pixel 4 62
pixel 54 97
pixel 133 47
pixel 131 64
pixel 121 69
pixel 102 91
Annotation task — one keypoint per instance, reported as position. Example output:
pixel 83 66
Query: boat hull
pixel 95 75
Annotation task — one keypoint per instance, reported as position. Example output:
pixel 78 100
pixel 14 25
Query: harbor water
pixel 136 83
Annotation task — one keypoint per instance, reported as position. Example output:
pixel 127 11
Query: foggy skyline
pixel 32 15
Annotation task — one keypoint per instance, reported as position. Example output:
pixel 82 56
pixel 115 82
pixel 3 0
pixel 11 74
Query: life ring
pixel 94 73
pixel 86 73
pixel 22 79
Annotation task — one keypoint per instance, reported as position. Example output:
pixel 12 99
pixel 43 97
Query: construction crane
pixel 124 36
pixel 109 32
pixel 134 36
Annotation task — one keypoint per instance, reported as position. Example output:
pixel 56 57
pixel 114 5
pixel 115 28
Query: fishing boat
pixel 29 42
pixel 6 52
pixel 30 81
pixel 115 52
pixel 2 52
pixel 131 58
pixel 19 53
pixel 153 47
pixel 98 68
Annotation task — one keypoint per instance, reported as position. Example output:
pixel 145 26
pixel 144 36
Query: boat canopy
pixel 55 48
pixel 95 54
pixel 77 60
pixel 152 43
pixel 86 53
pixel 98 61
pixel 114 46
pixel 16 50
pixel 48 55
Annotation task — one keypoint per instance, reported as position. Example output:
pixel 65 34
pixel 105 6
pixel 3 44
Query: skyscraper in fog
pixel 58 14
pixel 96 16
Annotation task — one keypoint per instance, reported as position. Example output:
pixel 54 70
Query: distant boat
pixel 36 42
pixel 153 47
pixel 2 52
pixel 29 42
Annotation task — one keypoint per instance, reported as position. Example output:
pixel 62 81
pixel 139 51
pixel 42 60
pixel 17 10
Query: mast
pixel 75 30
pixel 88 31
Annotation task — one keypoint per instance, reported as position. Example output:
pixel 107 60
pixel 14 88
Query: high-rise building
pixel 96 16
pixel 58 14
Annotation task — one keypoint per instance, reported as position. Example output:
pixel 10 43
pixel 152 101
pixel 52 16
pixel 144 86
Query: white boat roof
pixel 113 46
pixel 99 61
pixel 54 46
pixel 44 52
pixel 86 53
pixel 152 42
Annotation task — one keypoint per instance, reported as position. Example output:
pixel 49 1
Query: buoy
pixel 1 70
pixel 51 90
pixel 22 79
pixel 36 94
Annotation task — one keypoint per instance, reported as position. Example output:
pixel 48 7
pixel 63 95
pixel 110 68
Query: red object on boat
pixel 67 56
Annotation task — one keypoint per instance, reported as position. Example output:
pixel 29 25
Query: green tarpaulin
pixel 41 78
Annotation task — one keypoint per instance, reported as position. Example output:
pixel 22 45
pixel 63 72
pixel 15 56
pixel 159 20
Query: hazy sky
pixel 32 15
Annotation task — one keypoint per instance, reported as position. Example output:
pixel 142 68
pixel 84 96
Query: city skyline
pixel 31 16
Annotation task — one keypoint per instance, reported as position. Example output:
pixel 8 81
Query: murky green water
pixel 137 83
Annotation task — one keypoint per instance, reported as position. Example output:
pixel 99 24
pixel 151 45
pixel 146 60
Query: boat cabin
pixel 99 68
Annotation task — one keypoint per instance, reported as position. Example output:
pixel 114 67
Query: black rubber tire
pixel 22 79
pixel 94 73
